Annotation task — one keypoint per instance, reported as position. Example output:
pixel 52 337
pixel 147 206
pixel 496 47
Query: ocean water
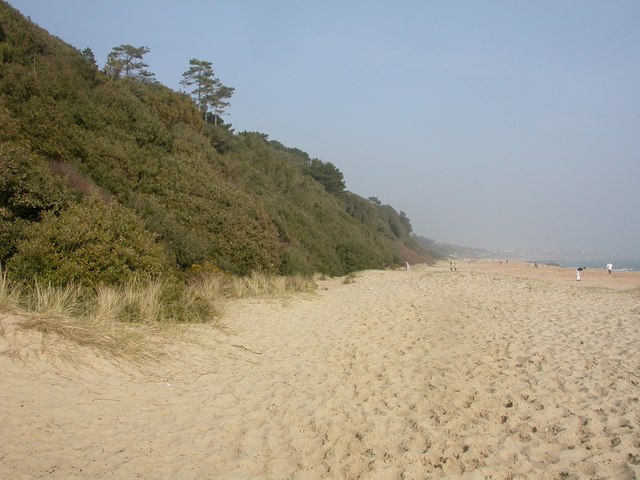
pixel 623 265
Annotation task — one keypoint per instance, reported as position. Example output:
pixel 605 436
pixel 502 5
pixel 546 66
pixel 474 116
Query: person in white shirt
pixel 609 267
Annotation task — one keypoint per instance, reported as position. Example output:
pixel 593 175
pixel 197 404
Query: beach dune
pixel 497 371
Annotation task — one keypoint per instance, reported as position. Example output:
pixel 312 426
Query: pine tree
pixel 200 76
pixel 126 61
pixel 208 92
pixel 217 100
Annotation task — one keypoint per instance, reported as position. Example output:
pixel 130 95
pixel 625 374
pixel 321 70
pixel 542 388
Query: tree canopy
pixel 127 61
pixel 327 174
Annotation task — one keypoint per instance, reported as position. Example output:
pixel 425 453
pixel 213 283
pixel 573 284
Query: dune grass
pixel 9 295
pixel 135 322
pixel 260 284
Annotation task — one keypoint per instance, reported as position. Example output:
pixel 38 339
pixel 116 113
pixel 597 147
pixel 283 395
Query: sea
pixel 619 265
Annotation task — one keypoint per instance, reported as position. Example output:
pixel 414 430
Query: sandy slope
pixel 481 373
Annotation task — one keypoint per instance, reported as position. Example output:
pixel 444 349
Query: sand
pixel 496 371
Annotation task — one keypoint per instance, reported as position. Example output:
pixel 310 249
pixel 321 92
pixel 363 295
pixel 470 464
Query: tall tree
pixel 90 67
pixel 207 91
pixel 217 100
pixel 127 61
pixel 200 76
pixel 88 55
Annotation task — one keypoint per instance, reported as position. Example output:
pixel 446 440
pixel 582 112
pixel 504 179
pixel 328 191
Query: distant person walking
pixel 578 271
pixel 609 267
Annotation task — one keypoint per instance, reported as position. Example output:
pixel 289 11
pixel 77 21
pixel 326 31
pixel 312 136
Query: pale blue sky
pixel 495 124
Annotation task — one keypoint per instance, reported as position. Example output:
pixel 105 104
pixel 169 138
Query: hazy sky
pixel 494 124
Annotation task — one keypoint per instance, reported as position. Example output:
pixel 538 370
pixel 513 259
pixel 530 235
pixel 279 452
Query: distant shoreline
pixel 618 266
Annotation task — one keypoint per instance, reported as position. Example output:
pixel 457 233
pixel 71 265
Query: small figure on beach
pixel 451 265
pixel 609 267
pixel 407 264
pixel 578 270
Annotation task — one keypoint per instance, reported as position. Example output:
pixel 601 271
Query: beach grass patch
pixel 10 294
pixel 259 284
pixel 136 321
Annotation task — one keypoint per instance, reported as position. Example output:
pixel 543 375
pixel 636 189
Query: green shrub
pixel 327 174
pixel 90 243
pixel 8 125
pixel 295 261
pixel 356 255
pixel 27 188
pixel 11 229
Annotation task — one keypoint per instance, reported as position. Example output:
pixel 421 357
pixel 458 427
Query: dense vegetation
pixel 108 177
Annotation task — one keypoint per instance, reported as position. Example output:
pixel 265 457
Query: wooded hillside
pixel 107 178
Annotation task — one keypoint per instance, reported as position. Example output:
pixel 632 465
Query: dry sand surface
pixel 491 372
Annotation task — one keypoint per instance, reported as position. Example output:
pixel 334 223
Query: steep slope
pixel 203 194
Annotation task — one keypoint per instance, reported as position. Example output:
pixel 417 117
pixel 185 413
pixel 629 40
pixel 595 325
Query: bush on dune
pixel 90 243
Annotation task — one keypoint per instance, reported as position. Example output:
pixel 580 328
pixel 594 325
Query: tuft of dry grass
pixel 136 344
pixel 350 278
pixel 55 301
pixel 10 295
pixel 139 302
pixel 212 287
pixel 301 284
pixel 260 284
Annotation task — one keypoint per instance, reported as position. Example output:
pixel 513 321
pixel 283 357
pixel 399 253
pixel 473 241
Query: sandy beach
pixel 495 371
